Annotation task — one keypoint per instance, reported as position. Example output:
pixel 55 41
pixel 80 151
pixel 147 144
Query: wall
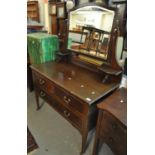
pixel 83 1
pixel 41 11
pixel 46 16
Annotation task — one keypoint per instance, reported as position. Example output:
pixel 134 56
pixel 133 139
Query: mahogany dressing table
pixel 74 87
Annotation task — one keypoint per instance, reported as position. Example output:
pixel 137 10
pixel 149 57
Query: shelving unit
pixel 33 10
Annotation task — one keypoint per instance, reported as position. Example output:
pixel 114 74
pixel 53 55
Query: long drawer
pixel 113 133
pixel 69 115
pixel 70 101
pixel 65 112
pixel 50 88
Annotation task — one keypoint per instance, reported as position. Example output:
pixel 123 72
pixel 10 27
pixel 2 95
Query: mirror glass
pixel 89 30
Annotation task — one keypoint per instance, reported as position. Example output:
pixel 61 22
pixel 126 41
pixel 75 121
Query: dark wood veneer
pixel 112 123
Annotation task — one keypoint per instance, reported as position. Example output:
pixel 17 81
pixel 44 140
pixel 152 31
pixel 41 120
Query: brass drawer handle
pixel 41 81
pixel 67 114
pixel 42 94
pixel 67 100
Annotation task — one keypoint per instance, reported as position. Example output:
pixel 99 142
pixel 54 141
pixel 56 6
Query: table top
pixel 78 81
pixel 116 104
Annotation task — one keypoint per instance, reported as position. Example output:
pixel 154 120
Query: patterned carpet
pixel 31 143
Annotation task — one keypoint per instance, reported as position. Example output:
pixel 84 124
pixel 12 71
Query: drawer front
pixel 114 134
pixel 119 148
pixel 65 112
pixel 43 83
pixel 70 116
pixel 70 101
pixel 49 99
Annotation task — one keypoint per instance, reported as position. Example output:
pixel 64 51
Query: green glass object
pixel 42 47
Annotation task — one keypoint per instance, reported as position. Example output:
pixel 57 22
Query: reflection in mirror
pixel 89 30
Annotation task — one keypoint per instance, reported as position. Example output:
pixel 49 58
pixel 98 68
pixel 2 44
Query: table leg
pixel 84 142
pixel 37 100
pixel 84 136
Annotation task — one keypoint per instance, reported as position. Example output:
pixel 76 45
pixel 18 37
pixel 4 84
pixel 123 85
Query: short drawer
pixel 49 99
pixel 111 125
pixel 70 101
pixel 43 83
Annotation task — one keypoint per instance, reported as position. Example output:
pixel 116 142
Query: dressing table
pixel 74 87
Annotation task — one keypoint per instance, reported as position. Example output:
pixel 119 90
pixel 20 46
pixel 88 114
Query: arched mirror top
pixel 91 16
pixel 89 31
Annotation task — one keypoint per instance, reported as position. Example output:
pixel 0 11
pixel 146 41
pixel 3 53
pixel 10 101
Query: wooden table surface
pixel 118 108
pixel 76 80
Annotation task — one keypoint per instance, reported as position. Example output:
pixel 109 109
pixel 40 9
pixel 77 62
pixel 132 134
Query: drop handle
pixel 67 100
pixel 41 81
pixel 42 94
pixel 67 114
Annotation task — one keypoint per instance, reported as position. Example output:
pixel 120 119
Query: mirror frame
pixel 111 58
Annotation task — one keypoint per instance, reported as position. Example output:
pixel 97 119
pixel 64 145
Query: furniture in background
pixel 62 25
pixel 95 41
pixel 112 123
pixel 34 27
pixel 33 10
pixel 58 15
pixel 53 14
pixel 33 18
